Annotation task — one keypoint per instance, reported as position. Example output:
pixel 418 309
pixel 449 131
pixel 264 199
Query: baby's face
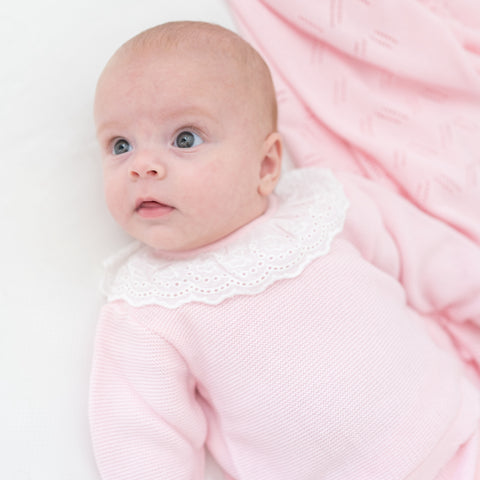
pixel 182 152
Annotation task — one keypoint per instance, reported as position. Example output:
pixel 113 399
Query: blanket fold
pixel 387 95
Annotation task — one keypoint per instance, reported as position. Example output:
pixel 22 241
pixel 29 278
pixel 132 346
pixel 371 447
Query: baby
pixel 245 320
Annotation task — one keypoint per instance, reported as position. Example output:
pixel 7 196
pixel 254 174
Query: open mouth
pixel 152 209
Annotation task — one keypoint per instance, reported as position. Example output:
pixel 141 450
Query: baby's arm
pixel 145 420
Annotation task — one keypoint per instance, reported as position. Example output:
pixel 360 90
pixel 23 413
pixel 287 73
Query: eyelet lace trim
pixel 311 211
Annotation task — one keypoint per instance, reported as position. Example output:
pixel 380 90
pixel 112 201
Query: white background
pixel 55 230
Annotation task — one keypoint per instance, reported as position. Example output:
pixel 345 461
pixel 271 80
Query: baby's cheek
pixel 115 199
pixel 200 199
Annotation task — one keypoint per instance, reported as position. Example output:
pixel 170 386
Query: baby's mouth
pixel 152 209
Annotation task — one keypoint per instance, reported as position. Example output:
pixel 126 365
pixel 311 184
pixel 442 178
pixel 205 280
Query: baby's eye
pixel 121 146
pixel 187 139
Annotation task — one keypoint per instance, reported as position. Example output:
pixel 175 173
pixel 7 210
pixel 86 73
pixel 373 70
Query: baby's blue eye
pixel 121 146
pixel 187 139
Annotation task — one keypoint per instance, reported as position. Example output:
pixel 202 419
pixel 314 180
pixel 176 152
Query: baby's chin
pixel 157 236
pixel 169 238
pixel 183 246
pixel 163 244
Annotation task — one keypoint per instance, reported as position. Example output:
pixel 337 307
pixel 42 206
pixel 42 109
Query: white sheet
pixel 55 229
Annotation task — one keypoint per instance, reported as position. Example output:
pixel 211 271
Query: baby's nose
pixel 137 173
pixel 146 166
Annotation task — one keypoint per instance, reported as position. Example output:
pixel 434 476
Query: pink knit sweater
pixel 285 351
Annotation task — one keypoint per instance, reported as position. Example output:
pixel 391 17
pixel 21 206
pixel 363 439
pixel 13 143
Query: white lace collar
pixel 310 210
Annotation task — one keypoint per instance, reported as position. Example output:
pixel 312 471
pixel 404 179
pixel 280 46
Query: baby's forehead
pixel 191 64
pixel 206 49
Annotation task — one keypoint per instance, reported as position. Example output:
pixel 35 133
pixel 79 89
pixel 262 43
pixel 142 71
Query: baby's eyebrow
pixel 111 126
pixel 187 111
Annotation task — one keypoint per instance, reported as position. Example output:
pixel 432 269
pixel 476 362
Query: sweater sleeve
pixel 145 421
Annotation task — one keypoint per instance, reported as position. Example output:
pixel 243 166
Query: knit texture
pixel 327 375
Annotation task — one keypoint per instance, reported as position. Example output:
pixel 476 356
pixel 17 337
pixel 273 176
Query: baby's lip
pixel 148 202
pixel 149 208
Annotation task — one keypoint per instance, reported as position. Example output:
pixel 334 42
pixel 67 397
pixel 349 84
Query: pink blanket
pixel 387 95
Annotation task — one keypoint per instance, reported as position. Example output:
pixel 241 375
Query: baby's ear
pixel 271 166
